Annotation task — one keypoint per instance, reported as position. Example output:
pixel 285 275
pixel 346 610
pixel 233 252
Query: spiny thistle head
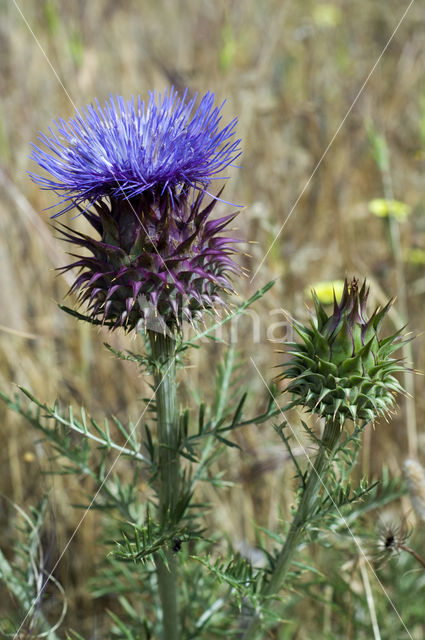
pixel 343 368
pixel 139 174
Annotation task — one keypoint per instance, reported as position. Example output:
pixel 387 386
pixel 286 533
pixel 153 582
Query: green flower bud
pixel 342 368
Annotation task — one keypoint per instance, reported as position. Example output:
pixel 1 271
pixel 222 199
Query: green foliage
pixel 220 589
pixel 32 586
pixel 134 540
pixel 143 542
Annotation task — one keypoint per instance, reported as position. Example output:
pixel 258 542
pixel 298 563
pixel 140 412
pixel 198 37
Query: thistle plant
pixel 139 174
pixel 154 259
pixel 342 370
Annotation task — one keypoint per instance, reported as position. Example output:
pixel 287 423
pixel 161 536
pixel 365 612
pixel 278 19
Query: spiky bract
pixel 154 263
pixel 343 368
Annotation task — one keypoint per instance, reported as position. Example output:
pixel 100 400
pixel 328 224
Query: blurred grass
pixel 290 70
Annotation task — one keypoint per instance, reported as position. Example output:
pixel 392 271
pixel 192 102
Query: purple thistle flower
pixel 139 175
pixel 127 148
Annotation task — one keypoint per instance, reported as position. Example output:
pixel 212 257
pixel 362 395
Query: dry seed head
pixel 392 539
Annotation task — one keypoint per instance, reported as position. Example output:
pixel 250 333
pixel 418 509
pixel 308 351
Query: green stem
pixel 163 354
pixel 306 507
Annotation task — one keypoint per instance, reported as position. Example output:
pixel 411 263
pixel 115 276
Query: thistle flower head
pixel 139 174
pixel 342 367
pixel 392 539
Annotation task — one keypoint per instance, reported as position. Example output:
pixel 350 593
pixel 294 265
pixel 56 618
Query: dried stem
pixel 412 553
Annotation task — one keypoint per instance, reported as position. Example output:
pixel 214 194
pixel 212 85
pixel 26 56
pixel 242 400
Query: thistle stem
pixel 163 354
pixel 306 507
pixel 412 553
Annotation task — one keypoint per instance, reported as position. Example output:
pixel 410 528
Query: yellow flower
pixel 383 208
pixel 325 290
pixel 414 255
pixel 327 15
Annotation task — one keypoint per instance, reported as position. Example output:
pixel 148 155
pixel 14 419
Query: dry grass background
pixel 290 71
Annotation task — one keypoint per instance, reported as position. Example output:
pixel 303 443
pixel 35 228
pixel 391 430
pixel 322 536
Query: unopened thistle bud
pixel 139 174
pixel 343 368
pixel 414 475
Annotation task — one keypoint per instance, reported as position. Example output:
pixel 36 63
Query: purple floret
pixel 128 147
